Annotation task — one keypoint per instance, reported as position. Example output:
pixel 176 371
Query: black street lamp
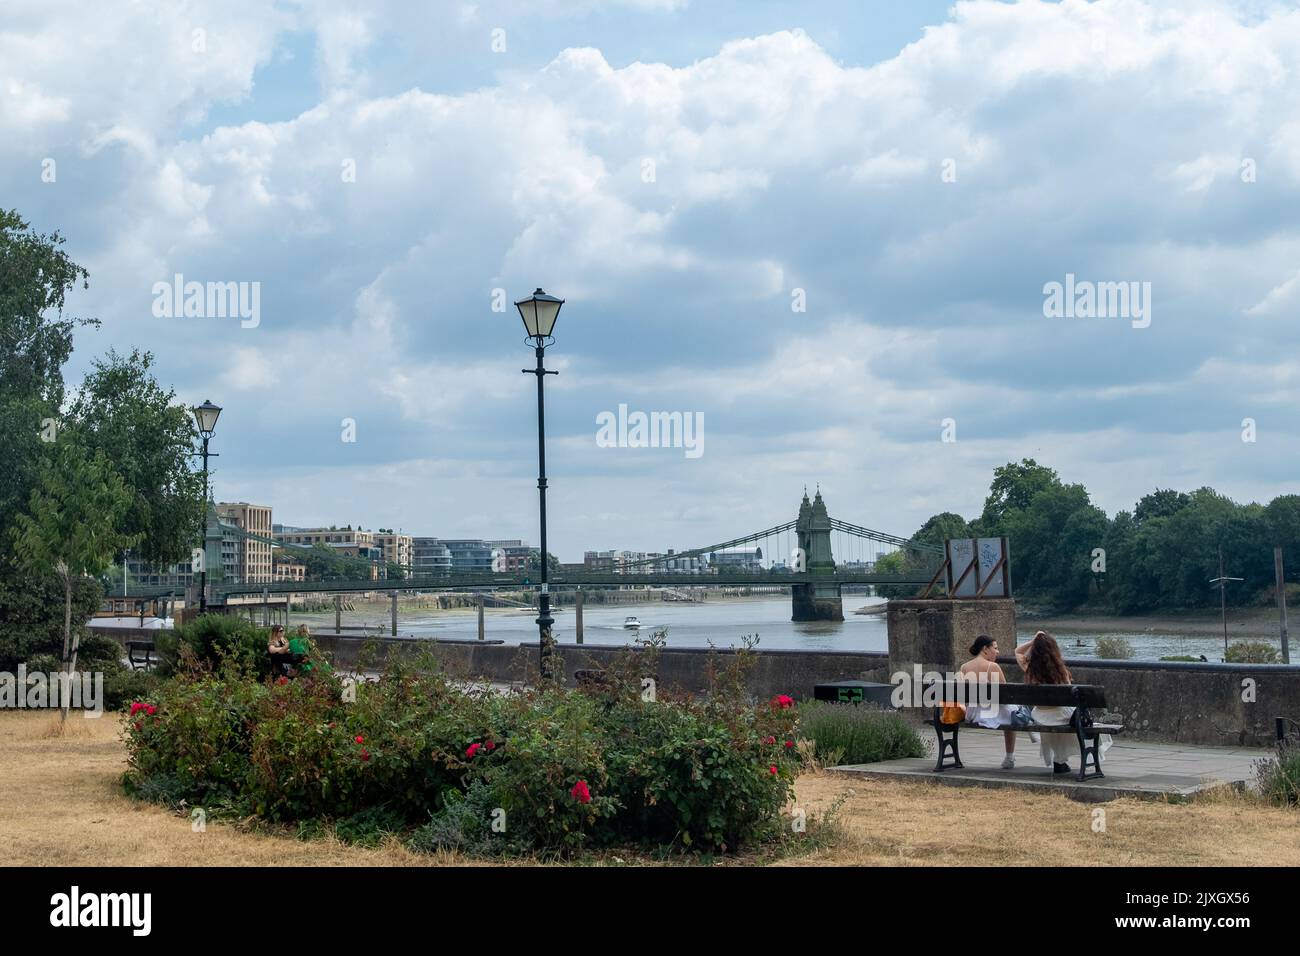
pixel 205 416
pixel 539 312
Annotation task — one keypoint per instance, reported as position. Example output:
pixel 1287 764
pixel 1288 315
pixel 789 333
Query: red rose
pixel 136 707
pixel 472 749
pixel 490 745
pixel 580 792
pixel 365 754
pixel 360 739
pixel 150 709
pixel 282 680
pixel 789 743
pixel 769 740
pixel 772 769
pixel 784 701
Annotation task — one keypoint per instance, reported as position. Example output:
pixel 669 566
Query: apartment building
pixel 246 559
pixel 399 549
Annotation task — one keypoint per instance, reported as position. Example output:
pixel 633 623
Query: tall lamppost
pixel 205 416
pixel 539 312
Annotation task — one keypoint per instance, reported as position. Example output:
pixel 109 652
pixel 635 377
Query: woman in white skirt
pixel 1040 659
pixel 983 665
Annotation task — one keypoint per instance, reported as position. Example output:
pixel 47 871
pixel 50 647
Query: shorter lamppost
pixel 539 312
pixel 205 416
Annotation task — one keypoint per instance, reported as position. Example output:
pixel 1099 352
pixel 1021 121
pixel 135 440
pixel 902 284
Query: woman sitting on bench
pixel 983 665
pixel 1040 659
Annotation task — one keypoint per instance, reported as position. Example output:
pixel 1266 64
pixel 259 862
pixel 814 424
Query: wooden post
pixel 478 601
pixel 1281 603
pixel 338 614
pixel 577 613
pixel 394 613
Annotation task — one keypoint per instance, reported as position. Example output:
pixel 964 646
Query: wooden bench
pixel 1082 697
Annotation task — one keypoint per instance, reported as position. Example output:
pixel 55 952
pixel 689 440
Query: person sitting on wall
pixel 304 651
pixel 281 651
pixel 983 665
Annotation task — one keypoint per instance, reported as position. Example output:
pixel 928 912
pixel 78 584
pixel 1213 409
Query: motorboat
pixel 631 622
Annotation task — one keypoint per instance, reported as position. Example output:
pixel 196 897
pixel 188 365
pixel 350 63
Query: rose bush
pixel 553 770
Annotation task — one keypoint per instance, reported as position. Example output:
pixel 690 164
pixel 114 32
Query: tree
pixel 71 527
pixel 148 437
pixel 941 527
pixel 1161 503
pixel 35 341
pixel 1013 488
pixel 535 563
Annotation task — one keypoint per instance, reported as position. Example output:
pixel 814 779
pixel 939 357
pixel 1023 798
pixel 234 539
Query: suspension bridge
pixel 799 554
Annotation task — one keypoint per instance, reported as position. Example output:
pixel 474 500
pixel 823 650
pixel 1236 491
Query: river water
pixel 724 624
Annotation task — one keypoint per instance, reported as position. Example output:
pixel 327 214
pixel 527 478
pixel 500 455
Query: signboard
pixel 978 567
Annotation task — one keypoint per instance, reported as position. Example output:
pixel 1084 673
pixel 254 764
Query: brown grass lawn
pixel 61 803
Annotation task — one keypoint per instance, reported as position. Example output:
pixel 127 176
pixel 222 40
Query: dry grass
pixel 61 803
pixel 903 823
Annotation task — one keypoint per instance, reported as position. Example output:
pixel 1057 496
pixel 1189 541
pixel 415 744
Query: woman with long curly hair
pixel 1040 659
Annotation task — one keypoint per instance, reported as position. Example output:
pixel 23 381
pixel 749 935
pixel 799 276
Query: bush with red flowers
pixel 561 770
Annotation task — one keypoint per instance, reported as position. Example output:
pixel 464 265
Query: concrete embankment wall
pixel 1218 704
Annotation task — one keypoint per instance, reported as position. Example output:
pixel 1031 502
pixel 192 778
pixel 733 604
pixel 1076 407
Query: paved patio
pixel 1133 769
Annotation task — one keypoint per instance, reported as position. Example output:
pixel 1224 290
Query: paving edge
pixel 1096 793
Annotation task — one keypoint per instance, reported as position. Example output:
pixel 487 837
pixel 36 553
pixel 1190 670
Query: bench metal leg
pixel 1086 749
pixel 945 745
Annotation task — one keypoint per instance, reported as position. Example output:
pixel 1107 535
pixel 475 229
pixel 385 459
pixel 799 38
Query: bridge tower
pixel 815 602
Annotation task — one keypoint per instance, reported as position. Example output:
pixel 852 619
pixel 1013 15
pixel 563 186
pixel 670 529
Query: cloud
pixel 919 205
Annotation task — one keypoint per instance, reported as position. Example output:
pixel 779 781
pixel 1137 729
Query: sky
pixel 829 229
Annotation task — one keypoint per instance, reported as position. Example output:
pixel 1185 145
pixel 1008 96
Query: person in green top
pixel 300 647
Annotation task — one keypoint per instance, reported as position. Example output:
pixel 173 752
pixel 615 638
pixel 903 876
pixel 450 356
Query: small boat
pixel 631 622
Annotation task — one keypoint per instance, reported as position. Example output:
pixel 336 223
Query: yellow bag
pixel 952 714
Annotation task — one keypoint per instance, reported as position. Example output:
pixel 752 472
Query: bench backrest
pixel 1030 695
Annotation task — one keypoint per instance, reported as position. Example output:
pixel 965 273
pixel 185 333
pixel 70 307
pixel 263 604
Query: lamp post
pixel 539 312
pixel 205 416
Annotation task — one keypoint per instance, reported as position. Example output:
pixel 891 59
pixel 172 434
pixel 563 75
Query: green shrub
pixel 1279 776
pixel 124 684
pixel 211 640
pixel 1251 652
pixel 370 827
pixel 859 733
pixel 558 770
pixel 1113 648
pixel 1181 657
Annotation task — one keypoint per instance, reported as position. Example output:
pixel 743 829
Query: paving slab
pixel 1152 771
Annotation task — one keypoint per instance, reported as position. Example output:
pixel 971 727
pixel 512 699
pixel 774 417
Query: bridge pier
pixel 577 613
pixel 815 602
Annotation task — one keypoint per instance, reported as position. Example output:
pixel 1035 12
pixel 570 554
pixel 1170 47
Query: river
pixel 724 623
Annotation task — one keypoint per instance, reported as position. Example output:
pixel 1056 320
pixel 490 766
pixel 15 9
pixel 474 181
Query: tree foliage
pixel 148 438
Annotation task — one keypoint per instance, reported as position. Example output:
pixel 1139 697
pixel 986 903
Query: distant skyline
pixel 833 235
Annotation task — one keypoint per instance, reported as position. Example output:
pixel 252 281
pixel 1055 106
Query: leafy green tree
pixel 1014 486
pixel 71 528
pixel 148 437
pixel 535 561
pixel 1161 503
pixel 941 527
pixel 36 276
